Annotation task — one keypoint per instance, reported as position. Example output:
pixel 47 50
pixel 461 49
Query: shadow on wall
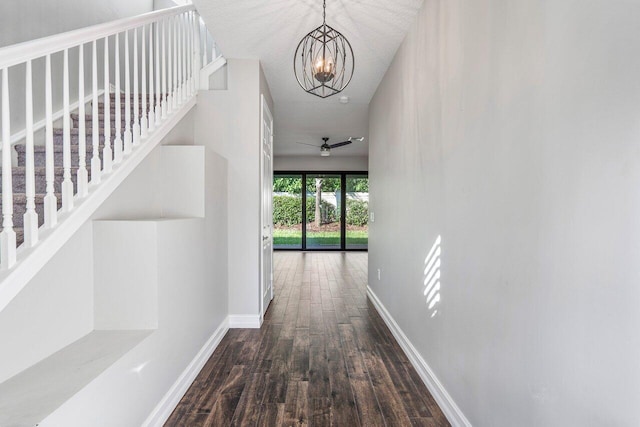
pixel 432 277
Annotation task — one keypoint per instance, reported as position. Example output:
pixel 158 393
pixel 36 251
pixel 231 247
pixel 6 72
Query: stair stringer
pixel 31 260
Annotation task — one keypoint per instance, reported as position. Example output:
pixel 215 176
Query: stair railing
pixel 164 52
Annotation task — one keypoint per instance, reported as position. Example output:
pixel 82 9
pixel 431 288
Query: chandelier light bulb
pixel 324 70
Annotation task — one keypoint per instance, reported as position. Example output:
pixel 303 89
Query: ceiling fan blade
pixel 310 145
pixel 340 144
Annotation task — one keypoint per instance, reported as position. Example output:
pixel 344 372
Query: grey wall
pixel 228 122
pixel 512 130
pixel 319 163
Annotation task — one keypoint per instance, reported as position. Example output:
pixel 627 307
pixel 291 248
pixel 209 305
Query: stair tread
pixel 38 169
pixel 57 148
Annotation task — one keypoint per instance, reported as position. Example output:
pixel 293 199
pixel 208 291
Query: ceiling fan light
pixel 325 152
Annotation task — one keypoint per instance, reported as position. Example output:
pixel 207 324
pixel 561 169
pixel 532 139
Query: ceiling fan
pixel 325 148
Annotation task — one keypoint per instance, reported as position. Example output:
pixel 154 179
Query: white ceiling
pixel 270 30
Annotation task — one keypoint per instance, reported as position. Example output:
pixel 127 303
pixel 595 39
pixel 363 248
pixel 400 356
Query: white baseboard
pixel 444 400
pixel 163 410
pixel 239 321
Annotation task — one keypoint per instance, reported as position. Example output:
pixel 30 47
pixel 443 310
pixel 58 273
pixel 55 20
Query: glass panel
pixel 323 211
pixel 287 212
pixel 357 236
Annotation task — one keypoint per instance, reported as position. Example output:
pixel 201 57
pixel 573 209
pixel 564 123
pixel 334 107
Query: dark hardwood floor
pixel 322 357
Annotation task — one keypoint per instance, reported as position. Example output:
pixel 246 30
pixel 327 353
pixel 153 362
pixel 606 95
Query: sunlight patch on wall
pixel 432 277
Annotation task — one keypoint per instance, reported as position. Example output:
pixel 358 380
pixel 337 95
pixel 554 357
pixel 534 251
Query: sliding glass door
pixel 320 211
pixel 287 211
pixel 323 212
pixel 357 212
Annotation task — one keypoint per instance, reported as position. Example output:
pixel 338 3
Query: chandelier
pixel 324 62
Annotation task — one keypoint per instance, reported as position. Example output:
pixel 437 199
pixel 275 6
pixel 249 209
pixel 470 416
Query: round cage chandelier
pixel 324 61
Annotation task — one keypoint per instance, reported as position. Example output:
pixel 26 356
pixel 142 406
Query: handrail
pixel 170 47
pixel 26 51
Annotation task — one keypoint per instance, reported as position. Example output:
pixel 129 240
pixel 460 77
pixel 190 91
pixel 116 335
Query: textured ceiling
pixel 270 30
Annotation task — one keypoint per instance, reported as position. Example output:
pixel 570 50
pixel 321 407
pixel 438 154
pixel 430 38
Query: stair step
pixel 19 208
pixel 19 179
pixel 88 119
pixel 39 152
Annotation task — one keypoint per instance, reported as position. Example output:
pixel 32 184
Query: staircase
pixel 150 66
pixel 19 171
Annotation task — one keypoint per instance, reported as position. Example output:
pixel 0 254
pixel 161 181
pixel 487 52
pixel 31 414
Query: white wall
pixel 319 163
pixel 228 122
pixel 512 130
pixel 57 307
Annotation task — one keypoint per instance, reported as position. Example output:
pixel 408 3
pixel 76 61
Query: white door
pixel 266 169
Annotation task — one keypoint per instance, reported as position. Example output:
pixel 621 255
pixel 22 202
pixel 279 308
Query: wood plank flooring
pixel 322 357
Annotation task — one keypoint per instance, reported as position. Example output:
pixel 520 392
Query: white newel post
pixel 67 184
pixel 83 176
pixel 50 199
pixel 107 154
pixel 95 118
pixel 7 236
pixel 128 138
pixel 136 94
pixel 30 218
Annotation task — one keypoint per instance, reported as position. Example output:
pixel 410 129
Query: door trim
pixel 265 113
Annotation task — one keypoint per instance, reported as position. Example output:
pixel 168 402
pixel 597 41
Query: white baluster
pixel 117 142
pixel 107 153
pixel 67 184
pixel 174 55
pixel 187 56
pixel 50 199
pixel 195 54
pixel 136 94
pixel 144 124
pixel 214 52
pixel 158 72
pixel 189 30
pixel 152 105
pixel 30 218
pixel 181 92
pixel 95 118
pixel 128 139
pixel 204 47
pixel 83 176
pixel 7 236
pixel 164 70
pixel 177 63
pixel 170 62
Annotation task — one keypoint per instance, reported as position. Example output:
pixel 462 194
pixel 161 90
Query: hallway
pixel 322 357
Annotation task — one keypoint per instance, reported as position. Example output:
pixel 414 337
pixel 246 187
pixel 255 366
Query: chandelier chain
pixel 324 11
